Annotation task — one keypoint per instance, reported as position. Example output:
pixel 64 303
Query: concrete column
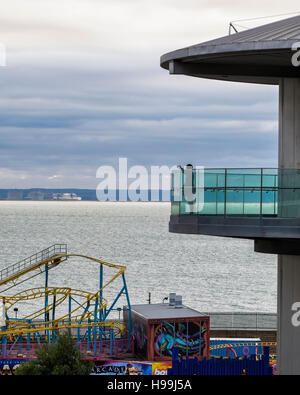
pixel 289 123
pixel 288 295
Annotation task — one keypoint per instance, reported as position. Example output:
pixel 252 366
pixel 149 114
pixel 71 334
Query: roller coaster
pixel 85 314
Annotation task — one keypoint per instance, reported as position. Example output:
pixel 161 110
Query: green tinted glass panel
pixel 175 208
pixel 269 202
pixel 256 192
pixel 252 180
pixel 252 201
pixel 269 181
pixel 234 202
pixel 234 180
pixel 210 180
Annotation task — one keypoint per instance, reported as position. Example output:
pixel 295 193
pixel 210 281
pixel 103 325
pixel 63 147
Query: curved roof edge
pixel 237 48
pixel 259 55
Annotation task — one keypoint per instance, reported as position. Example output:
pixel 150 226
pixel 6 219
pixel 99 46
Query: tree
pixel 27 369
pixel 61 358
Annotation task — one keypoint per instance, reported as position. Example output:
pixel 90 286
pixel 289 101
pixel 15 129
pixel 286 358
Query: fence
pixel 107 348
pixel 221 366
pixel 235 348
pixel 89 349
pixel 242 321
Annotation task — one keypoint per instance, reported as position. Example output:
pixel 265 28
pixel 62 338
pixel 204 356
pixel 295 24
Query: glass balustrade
pixel 236 192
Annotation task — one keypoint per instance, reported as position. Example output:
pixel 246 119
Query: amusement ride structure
pixel 85 314
pixel 88 317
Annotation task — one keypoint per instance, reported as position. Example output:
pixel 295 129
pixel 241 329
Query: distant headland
pixel 76 194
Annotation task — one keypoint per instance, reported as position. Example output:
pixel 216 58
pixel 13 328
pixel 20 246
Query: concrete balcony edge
pixel 271 234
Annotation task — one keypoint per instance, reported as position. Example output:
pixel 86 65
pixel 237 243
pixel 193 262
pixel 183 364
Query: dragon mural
pixel 187 337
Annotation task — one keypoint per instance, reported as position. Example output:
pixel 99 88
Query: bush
pixel 61 358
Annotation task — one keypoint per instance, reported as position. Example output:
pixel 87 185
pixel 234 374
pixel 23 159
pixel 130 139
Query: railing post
pixel 225 193
pixel 261 191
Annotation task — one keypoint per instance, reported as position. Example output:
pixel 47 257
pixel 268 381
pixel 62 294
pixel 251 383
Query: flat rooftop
pixel 164 311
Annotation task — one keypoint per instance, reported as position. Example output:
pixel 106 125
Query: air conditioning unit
pixel 172 299
pixel 178 301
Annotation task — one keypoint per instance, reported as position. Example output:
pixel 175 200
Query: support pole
pixel 47 334
pixel 101 292
pixel 70 310
pixel 288 295
pixel 129 306
pixel 53 317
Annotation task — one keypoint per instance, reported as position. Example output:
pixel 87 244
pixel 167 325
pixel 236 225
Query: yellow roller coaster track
pixel 36 293
pixel 54 261
pixel 51 325
pixel 69 320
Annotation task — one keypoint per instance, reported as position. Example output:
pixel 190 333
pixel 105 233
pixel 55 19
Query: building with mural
pixel 158 328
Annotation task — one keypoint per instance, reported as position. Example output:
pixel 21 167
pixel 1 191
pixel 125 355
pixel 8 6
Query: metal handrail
pixel 32 260
pixel 276 193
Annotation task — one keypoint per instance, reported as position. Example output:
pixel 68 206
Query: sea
pixel 212 274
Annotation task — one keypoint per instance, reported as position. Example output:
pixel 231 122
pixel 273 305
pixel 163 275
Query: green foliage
pixel 61 358
pixel 27 369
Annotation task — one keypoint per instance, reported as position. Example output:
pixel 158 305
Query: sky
pixel 83 87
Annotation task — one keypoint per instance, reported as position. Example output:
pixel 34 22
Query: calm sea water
pixel 211 273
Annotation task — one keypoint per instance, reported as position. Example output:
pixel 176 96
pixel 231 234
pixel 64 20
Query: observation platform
pixel 258 204
pixel 265 210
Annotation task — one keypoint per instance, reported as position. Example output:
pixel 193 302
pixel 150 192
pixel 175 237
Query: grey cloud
pixel 67 112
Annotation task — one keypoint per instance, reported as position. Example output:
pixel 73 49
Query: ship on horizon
pixel 66 196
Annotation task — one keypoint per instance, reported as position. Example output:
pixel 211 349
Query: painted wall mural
pixel 189 337
pixel 139 335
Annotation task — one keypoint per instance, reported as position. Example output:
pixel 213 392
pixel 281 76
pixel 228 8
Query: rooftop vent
pixel 178 301
pixel 172 299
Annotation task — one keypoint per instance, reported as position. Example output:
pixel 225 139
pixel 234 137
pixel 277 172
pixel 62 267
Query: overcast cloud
pixel 83 87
